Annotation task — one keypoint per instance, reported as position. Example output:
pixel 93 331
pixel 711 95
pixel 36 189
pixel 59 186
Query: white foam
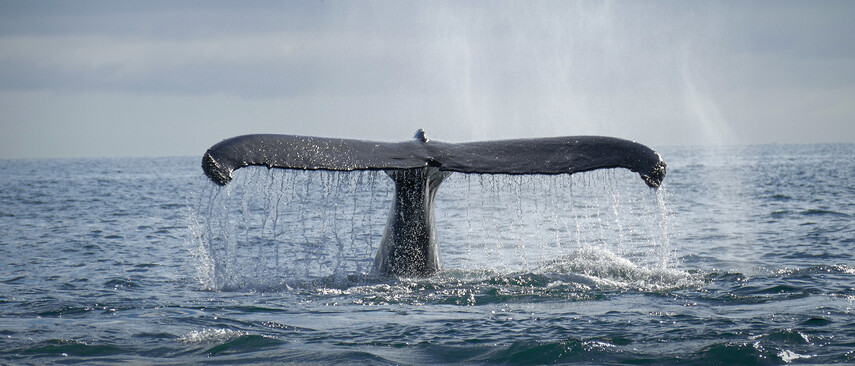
pixel 210 336
pixel 606 269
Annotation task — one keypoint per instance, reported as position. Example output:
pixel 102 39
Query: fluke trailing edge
pixel 418 166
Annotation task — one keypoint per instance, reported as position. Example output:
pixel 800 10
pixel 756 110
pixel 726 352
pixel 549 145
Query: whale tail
pixel 418 166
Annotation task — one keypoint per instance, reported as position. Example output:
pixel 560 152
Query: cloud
pixel 348 49
pixel 662 72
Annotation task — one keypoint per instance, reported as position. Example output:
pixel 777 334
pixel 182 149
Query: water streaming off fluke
pixel 274 229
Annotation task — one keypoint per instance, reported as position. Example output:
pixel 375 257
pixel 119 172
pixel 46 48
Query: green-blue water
pixel 746 256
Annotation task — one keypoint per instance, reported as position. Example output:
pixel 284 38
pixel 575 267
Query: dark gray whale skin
pixel 418 166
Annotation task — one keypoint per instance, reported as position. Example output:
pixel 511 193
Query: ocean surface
pixel 745 256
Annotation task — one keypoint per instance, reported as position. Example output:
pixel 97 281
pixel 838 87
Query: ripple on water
pixel 226 341
pixel 62 347
pixel 734 354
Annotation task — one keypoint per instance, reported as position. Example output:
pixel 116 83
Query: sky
pixel 171 78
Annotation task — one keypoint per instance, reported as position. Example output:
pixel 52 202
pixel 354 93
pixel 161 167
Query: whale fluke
pixel 553 155
pixel 418 166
